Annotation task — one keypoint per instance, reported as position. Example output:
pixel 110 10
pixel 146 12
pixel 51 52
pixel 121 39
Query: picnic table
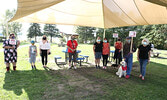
pixel 112 54
pixel 67 56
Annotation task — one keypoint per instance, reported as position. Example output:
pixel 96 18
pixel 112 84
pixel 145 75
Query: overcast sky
pixel 12 4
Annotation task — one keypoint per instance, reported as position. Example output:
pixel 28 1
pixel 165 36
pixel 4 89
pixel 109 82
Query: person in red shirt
pixel 72 47
pixel 105 52
pixel 118 51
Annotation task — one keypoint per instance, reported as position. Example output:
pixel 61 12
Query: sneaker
pixel 75 67
pixel 142 78
pixel 127 76
pixel 7 69
pixel 105 67
pixel 34 66
pixel 70 67
pixel 96 67
pixel 14 68
pixel 99 67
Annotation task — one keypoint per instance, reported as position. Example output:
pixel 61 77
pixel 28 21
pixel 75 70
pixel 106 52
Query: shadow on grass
pixel 88 83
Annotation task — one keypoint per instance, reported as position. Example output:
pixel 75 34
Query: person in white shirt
pixel 44 47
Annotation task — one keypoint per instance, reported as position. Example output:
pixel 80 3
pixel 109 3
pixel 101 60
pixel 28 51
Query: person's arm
pixel 138 52
pixel 18 44
pixel 36 51
pixel 149 55
pixel 39 48
pixel 5 46
pixel 94 48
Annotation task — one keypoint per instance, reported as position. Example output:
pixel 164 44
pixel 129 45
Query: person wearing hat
pixel 143 56
pixel 128 55
pixel 72 47
pixel 32 54
pixel 10 51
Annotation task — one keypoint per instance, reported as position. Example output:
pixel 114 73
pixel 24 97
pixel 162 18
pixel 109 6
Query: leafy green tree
pixel 85 33
pixel 51 30
pixel 11 27
pixel 34 30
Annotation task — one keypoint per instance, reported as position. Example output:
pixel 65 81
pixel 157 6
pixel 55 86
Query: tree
pixel 34 30
pixel 51 30
pixel 85 33
pixel 11 27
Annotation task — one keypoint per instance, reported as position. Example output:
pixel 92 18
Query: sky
pixel 12 4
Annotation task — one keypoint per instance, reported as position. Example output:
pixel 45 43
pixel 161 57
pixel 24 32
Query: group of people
pixel 100 48
pixel 10 52
pixel 123 51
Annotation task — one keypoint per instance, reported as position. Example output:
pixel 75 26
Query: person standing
pixel 118 51
pixel 72 48
pixel 32 54
pixel 128 55
pixel 10 51
pixel 105 52
pixel 44 47
pixel 143 56
pixel 97 49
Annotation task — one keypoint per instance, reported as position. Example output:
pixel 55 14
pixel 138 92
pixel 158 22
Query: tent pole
pixel 104 34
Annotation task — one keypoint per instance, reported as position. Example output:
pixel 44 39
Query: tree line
pixel 157 34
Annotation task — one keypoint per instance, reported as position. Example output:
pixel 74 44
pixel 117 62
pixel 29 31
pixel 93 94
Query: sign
pixel 115 35
pixel 12 42
pixel 132 33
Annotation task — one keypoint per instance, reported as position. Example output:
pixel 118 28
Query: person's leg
pixel 103 60
pixel 120 58
pixel 46 59
pixel 75 59
pixel 141 65
pixel 145 61
pixel 106 57
pixel 130 63
pixel 42 56
pixel 14 66
pixel 70 58
pixel 7 66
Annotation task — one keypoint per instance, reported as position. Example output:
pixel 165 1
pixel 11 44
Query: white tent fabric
pixel 94 13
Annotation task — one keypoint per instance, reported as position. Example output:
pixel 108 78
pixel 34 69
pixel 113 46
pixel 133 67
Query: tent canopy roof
pixel 95 13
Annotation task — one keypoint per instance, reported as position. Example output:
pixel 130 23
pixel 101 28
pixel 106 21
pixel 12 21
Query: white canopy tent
pixel 94 13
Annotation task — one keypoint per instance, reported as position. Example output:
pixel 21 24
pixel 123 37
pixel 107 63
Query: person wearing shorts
pixel 97 48
pixel 32 54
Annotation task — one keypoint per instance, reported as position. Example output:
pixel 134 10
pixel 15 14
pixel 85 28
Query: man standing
pixel 10 51
pixel 72 47
pixel 128 55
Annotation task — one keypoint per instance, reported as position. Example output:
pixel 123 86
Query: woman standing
pixel 10 51
pixel 118 51
pixel 106 52
pixel 44 47
pixel 143 56
pixel 97 48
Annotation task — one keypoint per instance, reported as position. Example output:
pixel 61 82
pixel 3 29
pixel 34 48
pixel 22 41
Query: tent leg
pixel 104 34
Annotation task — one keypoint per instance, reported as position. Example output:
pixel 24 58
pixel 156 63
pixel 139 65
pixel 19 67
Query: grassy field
pixel 85 83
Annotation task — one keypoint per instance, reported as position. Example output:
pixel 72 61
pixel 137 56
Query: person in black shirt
pixel 97 48
pixel 143 56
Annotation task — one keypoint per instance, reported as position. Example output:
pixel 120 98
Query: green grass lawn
pixel 86 83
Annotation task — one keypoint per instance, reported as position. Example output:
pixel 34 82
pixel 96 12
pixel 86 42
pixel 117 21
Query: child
pixel 32 54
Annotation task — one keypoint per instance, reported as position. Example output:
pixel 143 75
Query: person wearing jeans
pixel 143 56
pixel 128 55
